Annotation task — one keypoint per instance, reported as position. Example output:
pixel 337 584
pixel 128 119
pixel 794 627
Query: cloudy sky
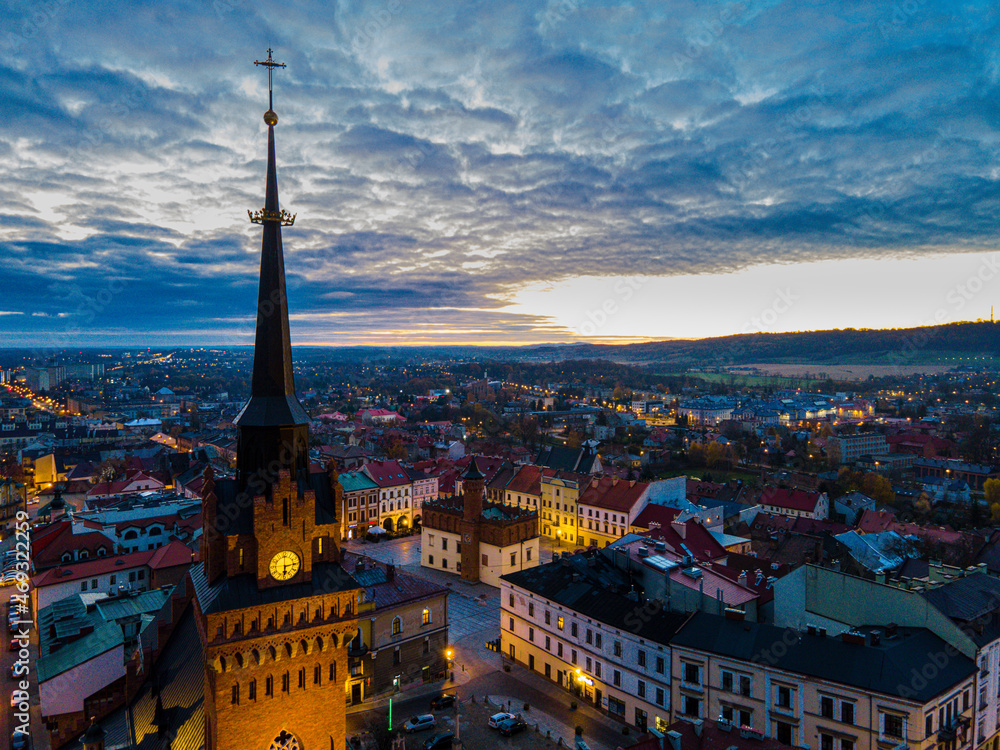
pixel 498 172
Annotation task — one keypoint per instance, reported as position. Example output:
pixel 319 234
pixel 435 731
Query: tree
pixel 877 487
pixel 991 488
pixel 109 469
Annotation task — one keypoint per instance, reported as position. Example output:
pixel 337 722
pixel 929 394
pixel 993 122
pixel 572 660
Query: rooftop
pixel 885 668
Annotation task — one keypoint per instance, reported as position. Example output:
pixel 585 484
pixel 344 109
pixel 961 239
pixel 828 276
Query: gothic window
pixel 285 741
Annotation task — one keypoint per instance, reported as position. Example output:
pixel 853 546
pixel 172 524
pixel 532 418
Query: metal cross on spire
pixel 270 64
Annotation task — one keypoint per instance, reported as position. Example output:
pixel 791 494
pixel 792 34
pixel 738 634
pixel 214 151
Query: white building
pixel 572 622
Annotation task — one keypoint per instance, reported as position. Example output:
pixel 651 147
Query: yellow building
pixel 557 517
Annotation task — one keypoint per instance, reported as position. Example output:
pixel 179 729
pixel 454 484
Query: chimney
pixel 680 528
pixel 390 572
pixel 742 578
pixel 697 723
pixel 674 739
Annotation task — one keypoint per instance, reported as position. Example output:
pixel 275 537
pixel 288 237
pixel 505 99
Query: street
pixel 474 619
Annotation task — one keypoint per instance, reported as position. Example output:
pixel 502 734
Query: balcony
pixel 357 650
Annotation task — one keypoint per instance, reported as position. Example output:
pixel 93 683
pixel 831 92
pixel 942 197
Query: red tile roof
pixel 167 556
pixel 789 498
pixel 692 535
pixel 386 473
pixel 658 514
pixel 528 480
pixel 612 493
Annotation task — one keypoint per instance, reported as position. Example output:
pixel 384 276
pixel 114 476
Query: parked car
pixel 20 741
pixel 14 645
pixel 495 719
pixel 440 741
pixel 442 701
pixel 419 723
pixel 507 727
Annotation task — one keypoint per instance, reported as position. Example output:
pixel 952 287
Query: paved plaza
pixel 473 608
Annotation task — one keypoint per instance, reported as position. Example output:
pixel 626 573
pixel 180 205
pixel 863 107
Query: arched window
pixel 130 534
pixel 272 654
pixel 425 617
pixel 154 531
pixel 304 646
pixel 84 554
pixel 288 649
pixel 397 626
pixel 285 741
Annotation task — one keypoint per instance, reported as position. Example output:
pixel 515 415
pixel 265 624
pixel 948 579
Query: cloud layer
pixel 442 155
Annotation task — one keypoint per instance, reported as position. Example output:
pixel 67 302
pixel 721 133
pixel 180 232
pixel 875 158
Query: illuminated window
pixel 425 617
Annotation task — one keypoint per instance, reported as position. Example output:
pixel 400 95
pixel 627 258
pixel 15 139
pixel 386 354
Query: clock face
pixel 284 565
pixel 468 538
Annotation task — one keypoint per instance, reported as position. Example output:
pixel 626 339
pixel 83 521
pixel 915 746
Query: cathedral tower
pixel 275 609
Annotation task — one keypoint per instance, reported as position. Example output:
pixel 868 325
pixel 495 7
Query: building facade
pixel 360 504
pixel 477 540
pixel 402 635
pixel 558 513
pixel 395 496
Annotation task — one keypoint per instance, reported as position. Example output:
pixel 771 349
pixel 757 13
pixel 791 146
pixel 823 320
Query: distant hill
pixel 895 346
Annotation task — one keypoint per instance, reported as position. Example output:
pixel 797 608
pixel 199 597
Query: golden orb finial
pixel 271 117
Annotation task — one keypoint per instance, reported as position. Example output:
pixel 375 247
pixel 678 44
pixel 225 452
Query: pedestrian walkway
pixel 455 680
pixel 548 726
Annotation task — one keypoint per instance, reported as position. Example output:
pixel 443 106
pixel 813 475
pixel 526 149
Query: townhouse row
pixel 581 623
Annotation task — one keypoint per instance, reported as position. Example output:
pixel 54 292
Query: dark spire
pixel 473 472
pixel 273 414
